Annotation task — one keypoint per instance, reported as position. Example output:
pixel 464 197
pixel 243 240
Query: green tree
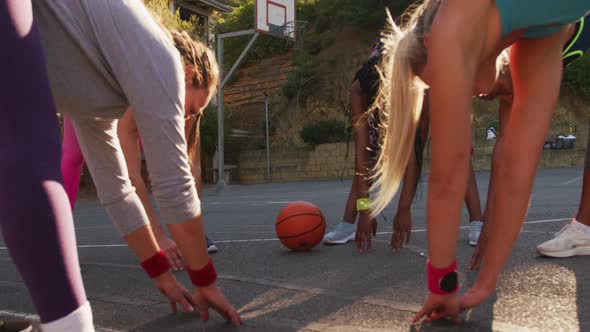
pixel 161 12
pixel 576 78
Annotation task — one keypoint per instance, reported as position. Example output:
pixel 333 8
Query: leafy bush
pixel 325 131
pixel 161 12
pixel 576 78
pixel 301 82
pixel 327 14
pixel 209 130
pixel 313 45
pixel 322 23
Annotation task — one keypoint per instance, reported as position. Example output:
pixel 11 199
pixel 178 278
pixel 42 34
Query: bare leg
pixel 360 184
pixel 584 209
pixel 350 208
pixel 472 197
pixel 536 94
pixel 344 232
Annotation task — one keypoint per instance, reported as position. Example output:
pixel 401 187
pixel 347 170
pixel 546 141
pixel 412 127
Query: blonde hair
pixel 205 75
pixel 400 98
pixel 503 83
pixel 194 53
pixel 197 54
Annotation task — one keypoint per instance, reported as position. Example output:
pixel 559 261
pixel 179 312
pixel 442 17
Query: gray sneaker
pixel 474 231
pixel 211 247
pixel 342 233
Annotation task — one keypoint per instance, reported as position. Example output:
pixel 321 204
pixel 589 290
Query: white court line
pixel 101 245
pixel 574 180
pixel 419 230
pixel 545 221
pixel 250 202
pixel 246 240
pixel 35 319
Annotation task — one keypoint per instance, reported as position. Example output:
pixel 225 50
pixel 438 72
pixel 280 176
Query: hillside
pixel 334 69
pixel 244 97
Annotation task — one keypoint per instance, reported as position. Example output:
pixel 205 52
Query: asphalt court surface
pixel 331 288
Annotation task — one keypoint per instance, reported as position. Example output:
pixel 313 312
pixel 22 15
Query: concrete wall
pixel 327 161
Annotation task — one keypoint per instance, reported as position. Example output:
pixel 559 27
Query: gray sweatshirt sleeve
pixel 148 69
pixel 100 146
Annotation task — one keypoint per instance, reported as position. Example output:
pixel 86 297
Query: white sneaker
pixel 474 232
pixel 573 239
pixel 342 233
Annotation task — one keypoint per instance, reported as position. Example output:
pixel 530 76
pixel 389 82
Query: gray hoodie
pixel 102 57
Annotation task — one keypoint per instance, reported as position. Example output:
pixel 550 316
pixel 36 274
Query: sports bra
pixel 578 44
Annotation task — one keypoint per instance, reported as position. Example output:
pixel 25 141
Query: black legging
pixel 35 216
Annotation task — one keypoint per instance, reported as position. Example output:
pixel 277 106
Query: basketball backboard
pixel 276 17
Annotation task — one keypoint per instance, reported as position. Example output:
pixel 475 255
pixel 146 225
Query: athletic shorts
pixel 539 18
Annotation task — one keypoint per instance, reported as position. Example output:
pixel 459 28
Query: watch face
pixel 449 282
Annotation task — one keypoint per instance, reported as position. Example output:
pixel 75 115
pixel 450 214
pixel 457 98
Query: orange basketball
pixel 300 226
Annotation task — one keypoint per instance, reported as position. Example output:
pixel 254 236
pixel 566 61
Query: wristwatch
pixel 442 281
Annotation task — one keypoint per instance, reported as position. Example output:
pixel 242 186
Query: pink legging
pixel 72 161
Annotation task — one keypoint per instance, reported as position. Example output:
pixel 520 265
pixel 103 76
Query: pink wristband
pixel 442 281
pixel 156 265
pixel 204 276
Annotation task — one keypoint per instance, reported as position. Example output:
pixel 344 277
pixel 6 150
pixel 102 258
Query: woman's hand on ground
pixel 211 297
pixel 176 293
pixel 438 307
pixel 366 229
pixel 402 229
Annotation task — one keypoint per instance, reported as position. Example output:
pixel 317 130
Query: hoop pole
pixel 240 58
pixel 221 185
pixel 220 125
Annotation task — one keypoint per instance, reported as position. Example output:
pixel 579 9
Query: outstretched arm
pixel 129 138
pixel 454 50
pixel 155 87
pixel 402 222
pixel 99 143
pixel 536 67
pixel 359 105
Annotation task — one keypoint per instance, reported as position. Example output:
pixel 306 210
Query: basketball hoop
pixel 272 17
pixel 276 17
